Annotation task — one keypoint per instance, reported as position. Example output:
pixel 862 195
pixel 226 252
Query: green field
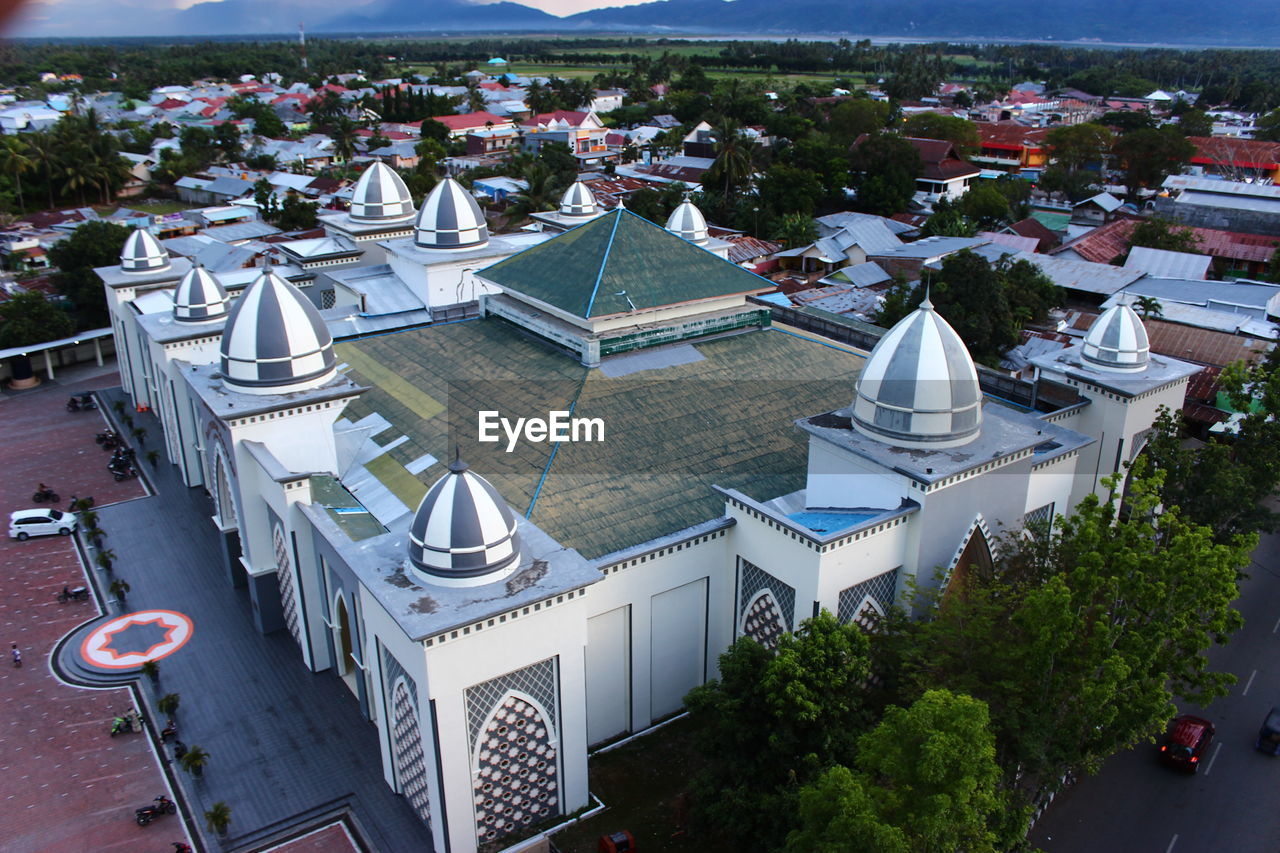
pixel 548 69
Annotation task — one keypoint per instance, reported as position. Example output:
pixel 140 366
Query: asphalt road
pixel 1136 805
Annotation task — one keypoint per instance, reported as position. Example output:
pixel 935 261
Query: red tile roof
pixel 573 117
pixel 1032 227
pixel 170 104
pixel 1240 153
pixel 1011 136
pixel 1103 244
pixel 466 121
pixel 940 161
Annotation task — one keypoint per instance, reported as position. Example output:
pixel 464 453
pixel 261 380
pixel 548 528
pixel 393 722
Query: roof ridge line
pixel 604 260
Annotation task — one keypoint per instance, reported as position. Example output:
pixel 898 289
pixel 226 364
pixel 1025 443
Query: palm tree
pixel 541 194
pixel 1148 307
pixel 194 760
pixel 734 155
pixel 45 151
pixel 343 134
pixel 14 160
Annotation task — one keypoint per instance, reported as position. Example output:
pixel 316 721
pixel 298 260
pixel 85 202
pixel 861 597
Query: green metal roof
pixel 593 269
pixel 670 433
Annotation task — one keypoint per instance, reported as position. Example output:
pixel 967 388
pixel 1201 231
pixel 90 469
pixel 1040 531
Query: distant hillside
pixel 1142 21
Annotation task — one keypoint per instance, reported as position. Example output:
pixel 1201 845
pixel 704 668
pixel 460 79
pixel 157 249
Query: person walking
pixel 17 655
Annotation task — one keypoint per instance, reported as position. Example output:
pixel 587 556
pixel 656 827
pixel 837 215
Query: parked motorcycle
pixel 108 439
pixel 123 472
pixel 160 807
pixel 129 722
pixel 81 403
pixel 45 494
pixel 170 730
pixel 78 594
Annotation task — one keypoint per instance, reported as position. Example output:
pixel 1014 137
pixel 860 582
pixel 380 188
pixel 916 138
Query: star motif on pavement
pixel 138 638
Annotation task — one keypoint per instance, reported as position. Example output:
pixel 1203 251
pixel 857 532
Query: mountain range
pixel 1188 22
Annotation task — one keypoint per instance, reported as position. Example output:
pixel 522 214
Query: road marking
pixel 1250 684
pixel 1169 849
pixel 1212 759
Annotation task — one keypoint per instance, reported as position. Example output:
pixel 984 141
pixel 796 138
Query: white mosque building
pixel 496 610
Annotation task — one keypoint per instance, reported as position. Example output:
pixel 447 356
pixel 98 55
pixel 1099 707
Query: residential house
pixel 1166 264
pixel 462 124
pixel 852 243
pixel 607 100
pixel 910 259
pixel 1236 159
pixel 494 143
pixel 1234 254
pixel 1011 147
pixel 582 132
pixel 943 173
pixel 1253 208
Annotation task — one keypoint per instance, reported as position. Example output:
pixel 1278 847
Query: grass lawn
pixel 158 206
pixel 643 786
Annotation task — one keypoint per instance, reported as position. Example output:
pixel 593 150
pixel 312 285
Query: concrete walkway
pixel 288 749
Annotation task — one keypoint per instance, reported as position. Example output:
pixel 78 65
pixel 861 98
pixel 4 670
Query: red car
pixel 1185 744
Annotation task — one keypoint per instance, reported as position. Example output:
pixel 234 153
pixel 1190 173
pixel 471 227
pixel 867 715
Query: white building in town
pixel 498 607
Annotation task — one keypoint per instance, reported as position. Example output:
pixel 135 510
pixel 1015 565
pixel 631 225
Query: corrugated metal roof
pixel 1082 275
pixel 1161 262
pixel 859 275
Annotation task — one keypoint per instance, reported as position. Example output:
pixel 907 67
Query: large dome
pixel 1116 341
pixel 688 222
pixel 463 533
pixel 200 297
pixel 578 201
pixel 380 196
pixel 451 219
pixel 919 387
pixel 141 253
pixel 275 340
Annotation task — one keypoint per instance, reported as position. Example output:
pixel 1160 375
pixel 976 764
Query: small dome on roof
pixel 688 222
pixel 1116 341
pixel 380 195
pixel 275 340
pixel 451 219
pixel 200 297
pixel 463 533
pixel 919 387
pixel 141 253
pixel 578 201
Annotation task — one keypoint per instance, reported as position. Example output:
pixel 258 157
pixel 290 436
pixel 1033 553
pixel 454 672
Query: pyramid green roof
pixel 584 271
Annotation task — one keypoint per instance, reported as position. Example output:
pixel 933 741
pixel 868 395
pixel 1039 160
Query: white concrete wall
pixel 837 478
pixel 608 669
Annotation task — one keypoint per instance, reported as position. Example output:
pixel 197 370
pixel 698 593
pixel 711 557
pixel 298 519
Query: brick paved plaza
pixel 290 753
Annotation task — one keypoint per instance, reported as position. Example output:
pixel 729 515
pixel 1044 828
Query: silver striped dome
pixel 380 196
pixel 200 297
pixel 451 219
pixel 688 222
pixel 1117 341
pixel 275 340
pixel 141 253
pixel 463 533
pixel 578 201
pixel 919 387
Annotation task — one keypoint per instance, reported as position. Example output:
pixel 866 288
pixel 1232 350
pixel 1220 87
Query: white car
pixel 26 523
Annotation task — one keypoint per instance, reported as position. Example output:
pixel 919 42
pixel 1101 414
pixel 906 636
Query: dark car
pixel 1189 736
pixel 1269 734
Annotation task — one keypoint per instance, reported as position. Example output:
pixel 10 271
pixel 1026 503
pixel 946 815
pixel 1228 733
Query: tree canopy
pixel 888 166
pixel 93 244
pixel 961 133
pixel 29 318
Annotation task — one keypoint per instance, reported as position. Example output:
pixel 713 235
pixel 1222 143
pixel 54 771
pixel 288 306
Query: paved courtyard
pixel 288 748
pixel 65 784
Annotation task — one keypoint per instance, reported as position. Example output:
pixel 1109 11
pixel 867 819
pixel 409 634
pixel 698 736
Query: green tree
pixel 784 189
pixel 732 168
pixel 93 244
pixel 1195 123
pixel 773 721
pixel 948 220
pixel 1150 155
pixel 888 166
pixel 15 161
pixel 795 230
pixel 296 214
pixel 1148 307
pixel 542 193
pixel 1269 127
pixel 1160 233
pixel 928 780
pixel 344 136
pixel 986 205
pixel 1078 639
pixel 1074 146
pixel 28 318
pixel 1224 484
pixel 851 119
pixel 961 133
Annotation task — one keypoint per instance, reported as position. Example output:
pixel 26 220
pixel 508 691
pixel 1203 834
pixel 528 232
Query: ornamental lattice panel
pixel 860 602
pixel 284 576
pixel 411 766
pixel 515 750
pixel 766 605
